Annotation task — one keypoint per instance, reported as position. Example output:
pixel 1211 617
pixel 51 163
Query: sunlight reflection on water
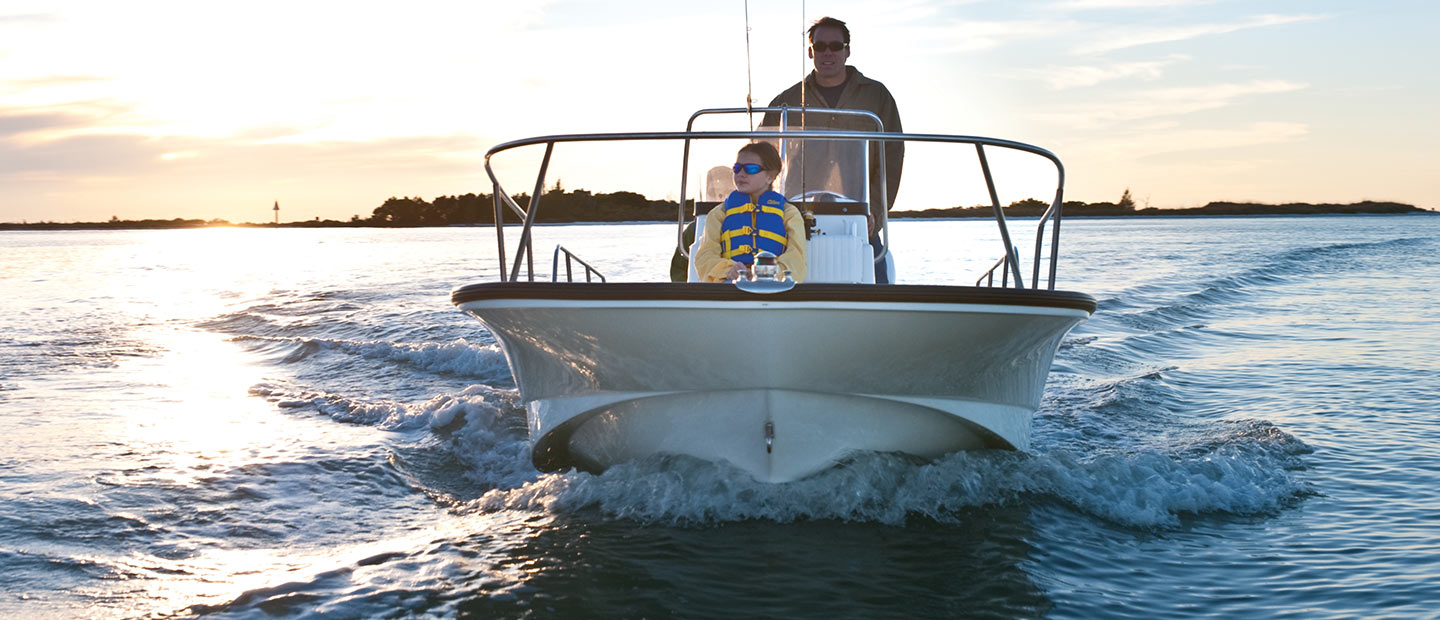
pixel 297 420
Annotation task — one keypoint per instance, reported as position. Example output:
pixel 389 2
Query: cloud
pixel 214 69
pixel 117 153
pixel 964 35
pixel 21 85
pixel 13 124
pixel 901 13
pixel 95 174
pixel 1118 38
pixel 1160 103
pixel 1189 140
pixel 1061 78
pixel 1188 166
pixel 83 155
pixel 22 19
pixel 29 125
pixel 1123 4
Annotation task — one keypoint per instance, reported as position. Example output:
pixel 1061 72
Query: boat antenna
pixel 749 84
pixel 804 41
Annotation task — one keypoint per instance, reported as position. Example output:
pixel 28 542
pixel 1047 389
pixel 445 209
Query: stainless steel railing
pixel 784 130
pixel 524 253
pixel 988 278
pixel 569 273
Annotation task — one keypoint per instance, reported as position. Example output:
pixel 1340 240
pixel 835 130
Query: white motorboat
pixel 779 379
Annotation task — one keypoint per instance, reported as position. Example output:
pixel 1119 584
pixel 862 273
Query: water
pixel 262 423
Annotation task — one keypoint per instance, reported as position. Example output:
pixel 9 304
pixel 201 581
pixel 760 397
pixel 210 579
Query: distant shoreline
pixel 1025 208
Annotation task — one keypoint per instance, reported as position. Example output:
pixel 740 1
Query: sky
pixel 180 109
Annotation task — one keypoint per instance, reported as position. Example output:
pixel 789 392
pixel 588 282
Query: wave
pixel 1105 450
pixel 459 357
pixel 439 412
pixel 1199 305
pixel 69 345
pixel 1152 326
pixel 1114 439
pixel 1250 468
pixel 393 314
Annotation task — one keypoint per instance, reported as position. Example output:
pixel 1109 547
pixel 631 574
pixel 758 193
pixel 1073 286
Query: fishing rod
pixel 749 84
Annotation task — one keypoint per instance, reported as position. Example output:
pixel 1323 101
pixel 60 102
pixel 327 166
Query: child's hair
pixel 769 157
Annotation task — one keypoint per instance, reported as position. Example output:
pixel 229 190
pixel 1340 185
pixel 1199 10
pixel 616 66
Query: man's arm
pixel 894 151
pixel 788 97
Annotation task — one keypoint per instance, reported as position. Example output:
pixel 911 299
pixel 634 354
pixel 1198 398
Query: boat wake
pixel 459 357
pixel 1248 472
pixel 1122 436
pixel 1190 304
pixel 1117 449
pixel 1238 467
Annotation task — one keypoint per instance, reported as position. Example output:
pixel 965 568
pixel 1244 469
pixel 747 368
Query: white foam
pixel 1145 489
pixel 458 357
pixel 478 403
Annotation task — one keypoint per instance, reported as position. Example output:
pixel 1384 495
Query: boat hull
pixel 781 386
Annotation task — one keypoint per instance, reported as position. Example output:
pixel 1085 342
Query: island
pixel 560 206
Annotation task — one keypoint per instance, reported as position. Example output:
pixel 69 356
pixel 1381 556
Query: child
pixel 752 218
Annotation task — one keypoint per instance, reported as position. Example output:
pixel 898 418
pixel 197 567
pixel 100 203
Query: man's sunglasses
pixel 833 46
pixel 748 168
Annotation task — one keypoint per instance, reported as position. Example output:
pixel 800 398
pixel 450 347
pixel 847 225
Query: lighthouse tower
pixel 277 212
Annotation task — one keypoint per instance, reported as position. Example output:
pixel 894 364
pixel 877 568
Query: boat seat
pixel 692 275
pixel 839 251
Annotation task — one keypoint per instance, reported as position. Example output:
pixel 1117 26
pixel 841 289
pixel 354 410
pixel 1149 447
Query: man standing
pixel 833 84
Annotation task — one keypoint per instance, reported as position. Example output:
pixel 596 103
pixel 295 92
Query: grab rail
pixel 569 276
pixel 525 251
pixel 1003 264
pixel 783 131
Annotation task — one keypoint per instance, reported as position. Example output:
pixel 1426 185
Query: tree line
pixel 560 206
pixel 556 205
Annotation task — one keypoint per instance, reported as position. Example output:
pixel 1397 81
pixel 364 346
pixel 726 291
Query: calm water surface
pixel 297 423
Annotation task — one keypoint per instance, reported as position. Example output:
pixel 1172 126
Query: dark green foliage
pixel 1126 202
pixel 560 206
pixel 556 205
pixel 1031 207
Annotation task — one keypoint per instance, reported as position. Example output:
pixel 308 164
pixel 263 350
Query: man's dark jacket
pixel 860 93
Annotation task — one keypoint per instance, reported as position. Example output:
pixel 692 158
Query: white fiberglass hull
pixel 780 386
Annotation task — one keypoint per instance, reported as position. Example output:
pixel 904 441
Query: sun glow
pixel 198 110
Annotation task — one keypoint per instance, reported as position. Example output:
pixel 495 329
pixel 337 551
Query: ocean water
pixel 297 423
